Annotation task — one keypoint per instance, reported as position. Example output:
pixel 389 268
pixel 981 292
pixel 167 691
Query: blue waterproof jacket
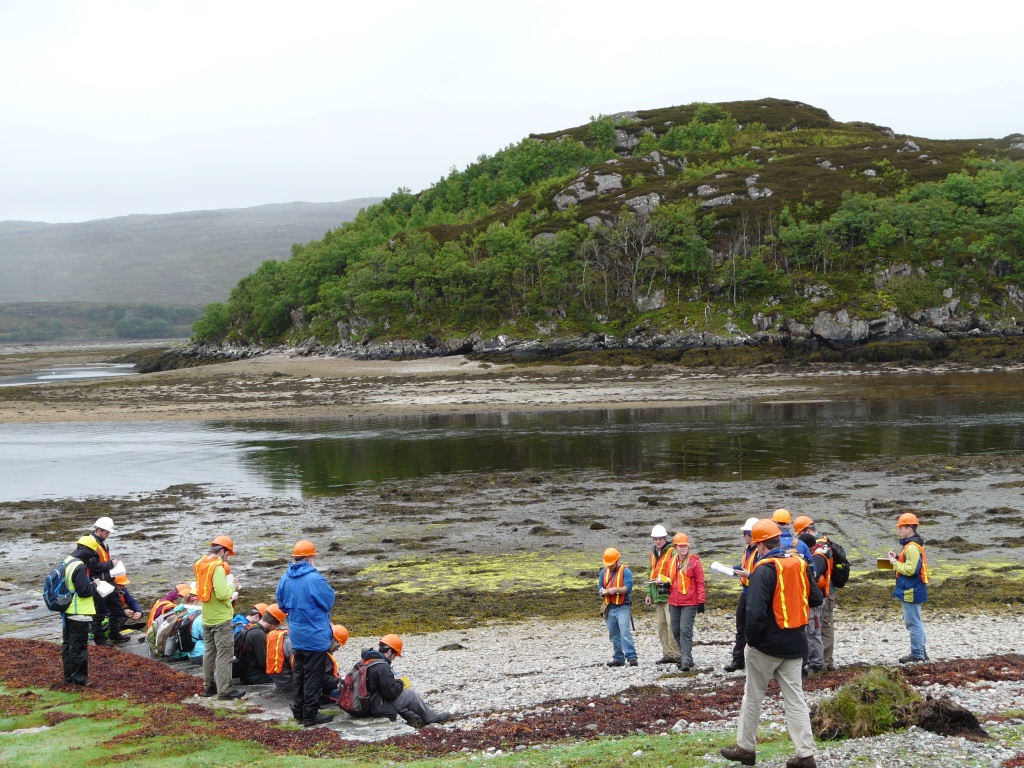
pixel 307 598
pixel 802 549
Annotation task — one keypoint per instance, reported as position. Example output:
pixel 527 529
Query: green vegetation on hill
pixel 694 218
pixel 54 322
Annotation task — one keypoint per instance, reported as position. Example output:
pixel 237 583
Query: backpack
pixel 57 593
pixel 184 632
pixel 353 697
pixel 240 638
pixel 840 565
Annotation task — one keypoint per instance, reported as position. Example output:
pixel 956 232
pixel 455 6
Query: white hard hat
pixel 105 523
pixel 659 532
pixel 749 525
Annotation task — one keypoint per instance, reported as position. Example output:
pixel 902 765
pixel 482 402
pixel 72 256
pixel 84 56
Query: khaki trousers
pixel 761 668
pixel 663 626
pixel 828 630
pixel 217 656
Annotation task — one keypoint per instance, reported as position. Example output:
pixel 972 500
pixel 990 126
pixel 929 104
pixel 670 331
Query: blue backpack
pixel 57 593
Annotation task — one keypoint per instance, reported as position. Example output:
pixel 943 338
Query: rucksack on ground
pixel 840 565
pixel 353 697
pixel 184 632
pixel 58 594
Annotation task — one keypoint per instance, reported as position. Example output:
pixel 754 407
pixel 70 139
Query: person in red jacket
pixel 686 597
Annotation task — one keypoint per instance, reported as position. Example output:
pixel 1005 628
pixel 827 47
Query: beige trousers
pixel 761 668
pixel 663 626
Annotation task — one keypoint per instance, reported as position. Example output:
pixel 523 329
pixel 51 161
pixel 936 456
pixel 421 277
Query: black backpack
pixel 840 565
pixel 184 632
pixel 240 640
pixel 58 594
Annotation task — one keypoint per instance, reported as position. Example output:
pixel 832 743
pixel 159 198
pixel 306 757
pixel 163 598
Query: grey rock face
pixel 870 172
pixel 593 222
pixel 655 301
pixel 891 273
pixel 714 202
pixel 819 292
pixel 751 180
pixel 1017 145
pixel 625 141
pixel 645 203
pixel 840 327
pixel 756 194
pixel 909 146
pixel 763 322
pixel 826 165
pixel 610 182
pixel 1016 295
pixel 543 237
pixel 705 190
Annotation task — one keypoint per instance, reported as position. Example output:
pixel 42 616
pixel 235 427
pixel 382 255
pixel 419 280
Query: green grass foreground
pixel 92 732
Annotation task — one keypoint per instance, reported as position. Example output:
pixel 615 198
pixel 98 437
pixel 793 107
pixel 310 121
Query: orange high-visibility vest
pixel 749 561
pixel 204 568
pixel 275 651
pixel 618 579
pixel 159 608
pixel 679 568
pixel 792 590
pixel 924 560
pixel 825 580
pixel 660 565
pixel 334 665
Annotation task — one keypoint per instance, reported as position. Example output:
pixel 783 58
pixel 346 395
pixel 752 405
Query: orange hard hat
pixel 184 590
pixel 394 642
pixel 261 607
pixel 122 580
pixel 611 556
pixel 680 538
pixel 340 633
pixel 303 548
pixel 781 516
pixel 764 530
pixel 801 522
pixel 276 612
pixel 908 518
pixel 224 541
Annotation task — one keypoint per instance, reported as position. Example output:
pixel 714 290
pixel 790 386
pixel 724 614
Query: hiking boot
pixel 830 667
pixel 233 694
pixel 633 662
pixel 118 639
pixel 666 660
pixel 320 719
pixel 911 659
pixel 209 692
pixel 801 762
pixel 743 756
pixel 733 666
pixel 442 717
pixel 616 664
pixel 684 667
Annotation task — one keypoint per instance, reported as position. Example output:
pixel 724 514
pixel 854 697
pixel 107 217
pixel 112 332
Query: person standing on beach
pixel 743 571
pixel 94 552
pixel 686 598
pixel 662 554
pixel 782 592
pixel 614 583
pixel 306 597
pixel 74 649
pixel 215 593
pixel 911 568
pixel 782 518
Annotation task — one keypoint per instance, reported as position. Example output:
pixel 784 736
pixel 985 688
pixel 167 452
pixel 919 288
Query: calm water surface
pixel 302 458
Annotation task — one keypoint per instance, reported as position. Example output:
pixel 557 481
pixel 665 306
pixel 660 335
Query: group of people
pixel 291 642
pixel 784 616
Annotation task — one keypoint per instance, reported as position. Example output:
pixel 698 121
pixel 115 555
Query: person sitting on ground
pixel 168 602
pixel 251 647
pixel 129 605
pixel 389 696
pixel 332 680
pixel 198 635
pixel 279 653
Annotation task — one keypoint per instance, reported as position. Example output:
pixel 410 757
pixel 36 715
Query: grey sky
pixel 111 108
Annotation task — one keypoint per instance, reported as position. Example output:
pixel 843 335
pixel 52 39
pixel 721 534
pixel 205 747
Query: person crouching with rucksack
pixel 389 696
pixel 251 648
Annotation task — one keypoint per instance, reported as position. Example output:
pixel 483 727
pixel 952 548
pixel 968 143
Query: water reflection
pixel 70 373
pixel 738 442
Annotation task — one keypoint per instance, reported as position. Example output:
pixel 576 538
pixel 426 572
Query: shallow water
pixel 308 458
pixel 70 373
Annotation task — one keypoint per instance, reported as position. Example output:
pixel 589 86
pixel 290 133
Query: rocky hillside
pixel 189 258
pixel 742 222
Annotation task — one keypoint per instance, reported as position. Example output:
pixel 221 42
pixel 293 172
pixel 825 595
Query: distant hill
pixel 190 258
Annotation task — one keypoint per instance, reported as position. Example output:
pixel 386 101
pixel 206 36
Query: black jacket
pixel 81 582
pixel 251 656
pixel 763 632
pixel 382 685
pixel 89 556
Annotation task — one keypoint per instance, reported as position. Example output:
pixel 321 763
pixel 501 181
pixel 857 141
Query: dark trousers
pixel 741 631
pixel 111 604
pixel 74 651
pixel 309 668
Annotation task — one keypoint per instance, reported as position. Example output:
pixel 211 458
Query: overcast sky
pixel 110 108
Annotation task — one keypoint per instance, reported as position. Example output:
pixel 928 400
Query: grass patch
pixel 878 701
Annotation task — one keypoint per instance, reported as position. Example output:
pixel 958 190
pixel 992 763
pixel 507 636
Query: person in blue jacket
pixel 782 518
pixel 306 597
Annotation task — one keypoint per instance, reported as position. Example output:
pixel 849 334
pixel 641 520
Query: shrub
pixel 878 701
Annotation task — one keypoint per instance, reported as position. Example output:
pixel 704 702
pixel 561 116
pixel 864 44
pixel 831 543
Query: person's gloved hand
pixel 700 608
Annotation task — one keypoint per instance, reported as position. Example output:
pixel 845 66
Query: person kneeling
pixel 389 696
